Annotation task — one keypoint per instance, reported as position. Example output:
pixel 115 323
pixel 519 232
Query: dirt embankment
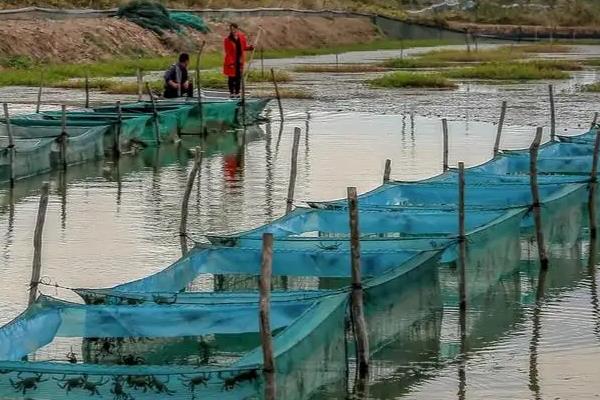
pixel 79 40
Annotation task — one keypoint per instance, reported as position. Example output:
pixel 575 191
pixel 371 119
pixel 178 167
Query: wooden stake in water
pixel 552 113
pixel 358 316
pixel 445 133
pixel 500 126
pixel 594 121
pixel 63 137
pixel 117 143
pixel 39 95
pixel 87 89
pixel 593 187
pixel 264 313
pixel 277 95
pixel 178 78
pixel 154 113
pixel 293 171
pixel 140 84
pixel 462 238
pixel 186 200
pixel 11 146
pixel 199 82
pixel 37 243
pixel 535 194
pixel 262 63
pixel 387 171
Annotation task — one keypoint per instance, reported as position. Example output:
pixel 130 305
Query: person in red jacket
pixel 235 46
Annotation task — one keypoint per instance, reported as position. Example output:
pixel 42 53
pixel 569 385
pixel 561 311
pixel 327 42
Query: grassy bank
pixel 341 68
pixel 210 79
pixel 400 79
pixel 511 71
pixel 22 71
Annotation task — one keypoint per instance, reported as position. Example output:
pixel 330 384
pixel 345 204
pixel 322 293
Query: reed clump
pixel 511 71
pixel 402 79
pixel 338 68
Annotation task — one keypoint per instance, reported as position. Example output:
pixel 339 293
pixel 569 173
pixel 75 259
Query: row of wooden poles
pixel 357 310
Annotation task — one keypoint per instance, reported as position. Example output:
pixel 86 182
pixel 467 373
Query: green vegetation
pixel 412 63
pixel 510 71
pixel 543 48
pixel 210 79
pixel 341 68
pixel 464 56
pixel 594 62
pixel 592 87
pixel 401 79
pixel 23 71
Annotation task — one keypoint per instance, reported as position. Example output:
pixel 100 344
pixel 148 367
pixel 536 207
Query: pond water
pixel 108 223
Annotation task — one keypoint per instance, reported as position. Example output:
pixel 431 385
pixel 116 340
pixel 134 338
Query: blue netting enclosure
pixel 157 336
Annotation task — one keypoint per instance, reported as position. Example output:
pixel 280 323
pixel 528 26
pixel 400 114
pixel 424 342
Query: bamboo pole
pixel 358 317
pixel 293 171
pixel 535 194
pixel 186 199
pixel 594 121
pixel 387 171
pixel 154 113
pixel 243 99
pixel 178 78
pixel 277 95
pixel 37 243
pixel 264 314
pixel 87 89
pixel 39 95
pixel 500 126
pixel 262 63
pixel 445 133
pixel 117 143
pixel 552 113
pixel 199 83
pixel 11 146
pixel 63 137
pixel 140 84
pixel 462 238
pixel 593 187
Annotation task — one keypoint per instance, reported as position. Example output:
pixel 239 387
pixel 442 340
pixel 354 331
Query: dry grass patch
pixel 543 48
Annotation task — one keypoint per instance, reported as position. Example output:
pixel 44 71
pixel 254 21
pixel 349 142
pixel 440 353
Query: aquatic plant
pixel 401 79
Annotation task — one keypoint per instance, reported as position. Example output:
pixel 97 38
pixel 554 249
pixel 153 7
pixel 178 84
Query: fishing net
pixel 155 17
pixel 149 15
pixel 190 20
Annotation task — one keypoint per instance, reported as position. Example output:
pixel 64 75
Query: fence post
pixel 594 121
pixel 387 171
pixel 445 132
pixel 186 199
pixel 154 113
pixel 87 89
pixel 117 144
pixel 592 195
pixel 277 95
pixel 37 243
pixel 462 238
pixel 140 83
pixel 293 171
pixel 39 95
pixel 63 137
pixel 358 317
pixel 552 113
pixel 535 194
pixel 264 314
pixel 11 146
pixel 500 126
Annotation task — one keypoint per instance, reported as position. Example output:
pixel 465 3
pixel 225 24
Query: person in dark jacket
pixel 235 45
pixel 176 79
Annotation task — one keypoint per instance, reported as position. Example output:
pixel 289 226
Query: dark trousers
pixel 171 93
pixel 235 84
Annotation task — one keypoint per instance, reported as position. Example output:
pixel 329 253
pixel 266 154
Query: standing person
pixel 235 46
pixel 176 79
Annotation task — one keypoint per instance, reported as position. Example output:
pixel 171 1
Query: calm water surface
pixel 108 223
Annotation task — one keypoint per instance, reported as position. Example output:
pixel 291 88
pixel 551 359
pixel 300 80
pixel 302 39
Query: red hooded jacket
pixel 230 54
